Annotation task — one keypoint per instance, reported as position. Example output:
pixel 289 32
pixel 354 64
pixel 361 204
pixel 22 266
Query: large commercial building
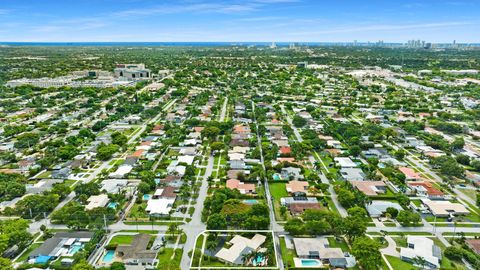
pixel 132 71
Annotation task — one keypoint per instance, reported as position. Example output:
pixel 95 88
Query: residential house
pixel 352 174
pixel 291 173
pixel 473 244
pixel 334 144
pixel 344 162
pixel 410 174
pixel 319 248
pixel 295 187
pixel 378 207
pixel 96 201
pixel 241 186
pixel 239 246
pixel 237 164
pixel 62 244
pixel 421 247
pixel 165 193
pixel 137 253
pixel 62 173
pixel 445 208
pixel 159 207
pixel 425 189
pixel 370 188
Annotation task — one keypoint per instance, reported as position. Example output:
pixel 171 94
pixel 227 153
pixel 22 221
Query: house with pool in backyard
pixel 135 255
pixel 249 249
pixel 62 246
pixel 316 252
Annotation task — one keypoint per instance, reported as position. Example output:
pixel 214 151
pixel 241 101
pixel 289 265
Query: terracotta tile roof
pixel 428 187
pixel 285 150
pixel 299 207
pixel 241 129
pixel 474 244
pixel 296 186
pixel 410 173
pixel 138 153
pixel 286 159
pixel 236 184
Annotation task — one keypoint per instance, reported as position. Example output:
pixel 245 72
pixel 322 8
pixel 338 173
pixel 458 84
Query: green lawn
pixel 27 252
pixel 445 262
pixel 398 264
pixel 287 254
pixel 195 257
pixel 121 239
pixel 278 190
pixel 338 244
pixel 472 193
pixel 165 259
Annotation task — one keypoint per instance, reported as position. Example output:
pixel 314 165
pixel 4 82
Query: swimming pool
pixel 250 201
pixel 258 260
pixel 112 205
pixel 276 177
pixel 310 262
pixel 108 257
pixel 75 248
pixel 146 197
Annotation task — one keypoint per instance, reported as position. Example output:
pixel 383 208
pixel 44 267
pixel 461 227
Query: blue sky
pixel 239 20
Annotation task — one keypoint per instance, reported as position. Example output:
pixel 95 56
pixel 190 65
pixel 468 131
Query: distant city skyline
pixel 239 21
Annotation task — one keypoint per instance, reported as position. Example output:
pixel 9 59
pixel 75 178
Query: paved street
pixel 274 226
pixel 322 176
pixel 196 226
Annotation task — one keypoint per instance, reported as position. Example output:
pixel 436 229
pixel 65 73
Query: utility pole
pixel 105 223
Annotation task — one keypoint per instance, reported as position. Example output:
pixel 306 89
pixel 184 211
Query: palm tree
pixel 248 256
pixel 420 261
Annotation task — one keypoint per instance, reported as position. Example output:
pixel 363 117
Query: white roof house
pixel 159 206
pixel 240 245
pixel 445 208
pixel 334 143
pixel 186 159
pixel 121 171
pixel 378 207
pixel 190 142
pixel 97 201
pixel 352 174
pixel 236 156
pixel 423 247
pixel 345 162
pixel 239 149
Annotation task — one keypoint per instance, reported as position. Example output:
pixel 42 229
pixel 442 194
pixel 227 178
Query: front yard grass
pixel 27 252
pixel 165 259
pixel 121 239
pixel 287 254
pixel 398 264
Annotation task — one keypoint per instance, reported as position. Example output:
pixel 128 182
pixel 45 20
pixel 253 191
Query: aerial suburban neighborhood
pixel 239 134
pixel 234 157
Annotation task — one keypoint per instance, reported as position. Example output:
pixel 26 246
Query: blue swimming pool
pixel 146 197
pixel 310 262
pixel 258 260
pixel 112 205
pixel 108 257
pixel 276 177
pixel 250 201
pixel 75 248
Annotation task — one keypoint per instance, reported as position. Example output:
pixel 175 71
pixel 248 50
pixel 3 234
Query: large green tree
pixel 367 252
